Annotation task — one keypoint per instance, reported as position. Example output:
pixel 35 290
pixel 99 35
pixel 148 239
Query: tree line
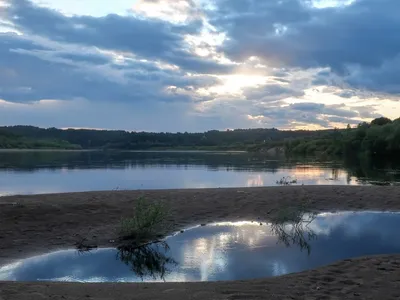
pixel 10 140
pixel 239 139
pixel 380 138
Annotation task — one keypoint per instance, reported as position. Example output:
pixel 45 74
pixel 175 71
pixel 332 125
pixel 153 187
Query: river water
pixel 34 172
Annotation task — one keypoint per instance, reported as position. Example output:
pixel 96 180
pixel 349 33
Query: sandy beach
pixel 38 224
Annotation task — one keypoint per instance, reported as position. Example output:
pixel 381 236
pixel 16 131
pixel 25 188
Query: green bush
pixel 148 220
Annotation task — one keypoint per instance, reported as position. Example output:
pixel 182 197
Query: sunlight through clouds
pixel 329 3
pixel 285 64
pixel 173 11
pixel 234 84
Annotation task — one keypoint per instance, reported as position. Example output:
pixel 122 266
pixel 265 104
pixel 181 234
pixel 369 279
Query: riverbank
pixel 40 223
pixel 48 150
pixel 155 150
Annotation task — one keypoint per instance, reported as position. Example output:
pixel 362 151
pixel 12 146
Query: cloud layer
pixel 199 64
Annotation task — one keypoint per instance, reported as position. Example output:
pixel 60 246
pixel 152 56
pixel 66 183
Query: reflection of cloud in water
pixel 210 253
pixel 308 172
pixel 354 224
pixel 340 235
pixel 227 251
pixel 255 180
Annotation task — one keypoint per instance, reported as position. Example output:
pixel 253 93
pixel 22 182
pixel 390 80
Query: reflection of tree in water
pixel 149 260
pixel 376 171
pixel 291 226
pixel 31 161
pixel 335 174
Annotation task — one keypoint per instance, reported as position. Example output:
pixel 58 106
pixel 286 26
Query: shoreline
pixel 49 150
pixel 36 224
pixel 177 150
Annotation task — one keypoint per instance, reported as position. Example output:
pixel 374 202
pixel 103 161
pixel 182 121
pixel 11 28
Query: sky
pixel 196 65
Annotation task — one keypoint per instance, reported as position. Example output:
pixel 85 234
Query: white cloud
pixel 194 65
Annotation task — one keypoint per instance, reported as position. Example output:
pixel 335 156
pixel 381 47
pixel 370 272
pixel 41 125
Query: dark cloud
pixel 331 37
pixel 335 110
pixel 283 116
pixel 337 119
pixel 29 73
pixel 272 92
pixel 148 38
pixel 381 79
pixel 307 106
pixel 89 58
pixel 290 33
pixel 145 37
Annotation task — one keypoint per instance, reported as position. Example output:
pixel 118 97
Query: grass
pixel 148 220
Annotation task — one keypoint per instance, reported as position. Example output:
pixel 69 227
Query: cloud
pixel 70 71
pixel 273 93
pixel 200 64
pixel 331 37
pixel 324 109
pixel 146 38
pixel 352 41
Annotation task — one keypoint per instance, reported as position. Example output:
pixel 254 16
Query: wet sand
pixel 40 223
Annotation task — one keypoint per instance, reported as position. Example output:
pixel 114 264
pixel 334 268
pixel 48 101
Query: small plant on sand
pixel 148 220
pixel 286 181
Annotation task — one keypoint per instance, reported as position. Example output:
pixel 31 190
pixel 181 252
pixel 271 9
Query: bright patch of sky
pixel 234 84
pixel 330 3
pixel 95 8
pixel 173 11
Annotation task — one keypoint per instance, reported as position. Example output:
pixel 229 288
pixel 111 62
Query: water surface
pixel 224 251
pixel 52 172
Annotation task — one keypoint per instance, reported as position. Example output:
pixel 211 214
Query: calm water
pixel 49 172
pixel 224 251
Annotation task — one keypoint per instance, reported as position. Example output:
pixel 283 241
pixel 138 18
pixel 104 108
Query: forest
pixel 239 139
pixel 10 140
pixel 381 137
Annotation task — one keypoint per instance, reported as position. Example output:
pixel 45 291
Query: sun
pixel 234 84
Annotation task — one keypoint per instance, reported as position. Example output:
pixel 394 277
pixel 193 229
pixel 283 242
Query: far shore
pixel 49 150
pixel 124 150
pixel 34 224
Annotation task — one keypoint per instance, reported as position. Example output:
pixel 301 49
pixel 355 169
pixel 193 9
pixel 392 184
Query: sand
pixel 36 224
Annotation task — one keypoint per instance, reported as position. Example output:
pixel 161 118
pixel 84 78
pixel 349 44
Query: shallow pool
pixel 224 251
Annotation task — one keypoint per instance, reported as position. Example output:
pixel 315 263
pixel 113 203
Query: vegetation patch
pixel 378 139
pixel 147 221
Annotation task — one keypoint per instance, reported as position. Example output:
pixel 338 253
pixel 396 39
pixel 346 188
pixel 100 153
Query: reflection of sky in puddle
pixel 228 251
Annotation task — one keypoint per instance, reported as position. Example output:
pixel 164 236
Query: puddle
pixel 224 251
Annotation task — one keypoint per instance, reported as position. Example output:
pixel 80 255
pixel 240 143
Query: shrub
pixel 148 220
